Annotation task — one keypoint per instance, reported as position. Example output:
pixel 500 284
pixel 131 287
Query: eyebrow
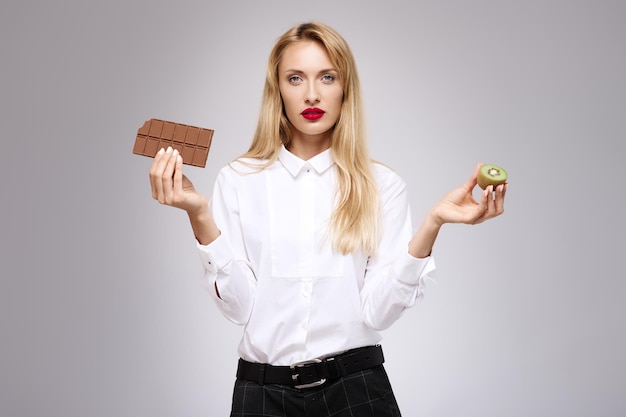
pixel 296 71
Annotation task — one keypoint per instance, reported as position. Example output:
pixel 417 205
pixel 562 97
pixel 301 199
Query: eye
pixel 295 79
pixel 328 78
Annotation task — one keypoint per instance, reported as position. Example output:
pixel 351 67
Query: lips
pixel 312 113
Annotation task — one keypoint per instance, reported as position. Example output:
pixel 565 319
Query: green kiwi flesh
pixel 490 174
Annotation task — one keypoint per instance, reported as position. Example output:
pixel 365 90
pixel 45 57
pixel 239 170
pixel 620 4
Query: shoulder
pixel 391 186
pixel 244 172
pixel 243 167
pixel 386 177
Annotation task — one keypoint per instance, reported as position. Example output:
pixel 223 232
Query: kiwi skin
pixel 490 174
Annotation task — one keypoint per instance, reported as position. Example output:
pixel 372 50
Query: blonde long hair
pixel 354 221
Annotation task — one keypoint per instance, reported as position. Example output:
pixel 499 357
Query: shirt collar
pixel 320 162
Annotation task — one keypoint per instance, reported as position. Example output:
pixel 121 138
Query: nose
pixel 312 96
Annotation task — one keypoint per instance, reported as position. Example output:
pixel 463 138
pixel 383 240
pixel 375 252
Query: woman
pixel 308 244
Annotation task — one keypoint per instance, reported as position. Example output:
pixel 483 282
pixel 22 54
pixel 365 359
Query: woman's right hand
pixel 170 186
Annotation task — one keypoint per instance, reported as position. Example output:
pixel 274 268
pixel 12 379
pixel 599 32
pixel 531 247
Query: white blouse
pixel 278 276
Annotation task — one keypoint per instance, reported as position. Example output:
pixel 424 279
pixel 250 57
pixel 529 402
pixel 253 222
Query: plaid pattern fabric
pixel 362 394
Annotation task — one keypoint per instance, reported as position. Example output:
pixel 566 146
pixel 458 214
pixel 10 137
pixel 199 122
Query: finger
pixel 484 206
pixel 178 174
pixel 487 195
pixel 160 174
pixel 168 176
pixel 156 173
pixel 491 205
pixel 499 199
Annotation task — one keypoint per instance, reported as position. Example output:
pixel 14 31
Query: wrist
pixel 204 228
pixel 433 219
pixel 200 212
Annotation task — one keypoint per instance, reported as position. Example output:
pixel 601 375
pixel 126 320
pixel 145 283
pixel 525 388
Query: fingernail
pixel 169 149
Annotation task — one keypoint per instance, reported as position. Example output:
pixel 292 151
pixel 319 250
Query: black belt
pixel 315 372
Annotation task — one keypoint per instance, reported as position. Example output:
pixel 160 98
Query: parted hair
pixel 354 221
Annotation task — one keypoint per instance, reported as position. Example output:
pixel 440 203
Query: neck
pixel 306 147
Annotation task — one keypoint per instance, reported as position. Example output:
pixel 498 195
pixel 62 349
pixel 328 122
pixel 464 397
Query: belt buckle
pixel 295 376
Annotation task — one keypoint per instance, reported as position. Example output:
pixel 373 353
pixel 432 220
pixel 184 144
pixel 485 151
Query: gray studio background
pixel 101 309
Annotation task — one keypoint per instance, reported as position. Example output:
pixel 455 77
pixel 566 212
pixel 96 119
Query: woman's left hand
pixel 459 205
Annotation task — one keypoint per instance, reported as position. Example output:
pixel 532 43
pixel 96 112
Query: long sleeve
pixel 394 280
pixel 224 260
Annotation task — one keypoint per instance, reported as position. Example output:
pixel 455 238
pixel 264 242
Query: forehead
pixel 305 55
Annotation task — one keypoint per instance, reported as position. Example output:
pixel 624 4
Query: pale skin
pixel 307 79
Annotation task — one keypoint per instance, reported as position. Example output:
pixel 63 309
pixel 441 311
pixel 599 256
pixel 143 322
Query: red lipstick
pixel 312 113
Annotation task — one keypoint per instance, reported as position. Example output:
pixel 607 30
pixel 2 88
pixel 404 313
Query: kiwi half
pixel 490 174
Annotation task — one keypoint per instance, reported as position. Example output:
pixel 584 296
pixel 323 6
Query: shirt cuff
pixel 214 255
pixel 415 271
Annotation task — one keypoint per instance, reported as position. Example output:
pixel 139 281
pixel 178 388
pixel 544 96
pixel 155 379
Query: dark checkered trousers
pixel 354 384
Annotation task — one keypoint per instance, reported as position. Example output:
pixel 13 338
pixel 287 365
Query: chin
pixel 318 130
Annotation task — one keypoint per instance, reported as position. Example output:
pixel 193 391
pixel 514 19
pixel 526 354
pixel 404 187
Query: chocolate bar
pixel 192 142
